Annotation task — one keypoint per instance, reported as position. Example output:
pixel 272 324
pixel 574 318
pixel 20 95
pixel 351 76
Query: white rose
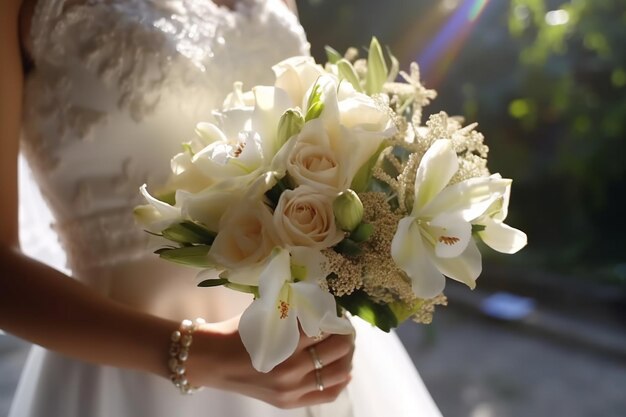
pixel 246 236
pixel 304 217
pixel 355 123
pixel 296 75
pixel 312 161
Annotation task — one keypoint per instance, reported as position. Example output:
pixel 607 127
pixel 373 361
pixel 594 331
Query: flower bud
pixel 348 210
pixel 290 123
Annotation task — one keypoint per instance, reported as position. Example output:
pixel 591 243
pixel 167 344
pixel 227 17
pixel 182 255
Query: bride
pixel 100 94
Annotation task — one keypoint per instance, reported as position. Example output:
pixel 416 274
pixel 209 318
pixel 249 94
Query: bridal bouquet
pixel 326 193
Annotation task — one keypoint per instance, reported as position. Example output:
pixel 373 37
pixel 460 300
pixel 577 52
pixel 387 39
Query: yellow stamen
pixel 239 149
pixel 448 240
pixel 284 309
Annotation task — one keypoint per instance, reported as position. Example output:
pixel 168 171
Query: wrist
pixel 216 355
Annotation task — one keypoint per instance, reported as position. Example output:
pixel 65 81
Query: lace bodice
pixel 118 86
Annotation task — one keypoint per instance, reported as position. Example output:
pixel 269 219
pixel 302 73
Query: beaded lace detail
pixel 118 85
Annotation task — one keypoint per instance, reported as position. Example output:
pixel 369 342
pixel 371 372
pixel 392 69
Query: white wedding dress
pixel 117 86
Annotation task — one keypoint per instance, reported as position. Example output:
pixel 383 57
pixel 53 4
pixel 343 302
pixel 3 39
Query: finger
pixel 336 373
pixel 306 341
pixel 318 397
pixel 333 348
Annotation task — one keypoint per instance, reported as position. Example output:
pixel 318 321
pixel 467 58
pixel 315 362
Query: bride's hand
pixel 218 359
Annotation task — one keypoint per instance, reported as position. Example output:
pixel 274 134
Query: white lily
pixel 244 143
pixel 436 239
pixel 270 104
pixel 156 215
pixel 497 235
pixel 296 75
pixel 269 326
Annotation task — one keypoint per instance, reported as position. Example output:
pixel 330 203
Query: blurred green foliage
pixel 573 60
pixel 546 81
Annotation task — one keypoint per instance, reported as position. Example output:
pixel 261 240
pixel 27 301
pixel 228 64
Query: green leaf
pixel 275 192
pixel 315 105
pixel 332 55
pixel 348 247
pixel 376 69
pixel 403 311
pixel 298 272
pixel 362 232
pixel 360 304
pixel 477 228
pixel 187 148
pixel 248 289
pixel 213 282
pixel 161 250
pixel 167 198
pixel 189 232
pixel 347 72
pixel 196 256
pixel 153 233
pixel 361 180
pixel 314 111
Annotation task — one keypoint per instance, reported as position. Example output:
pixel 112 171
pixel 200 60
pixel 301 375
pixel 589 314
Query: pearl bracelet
pixel 179 353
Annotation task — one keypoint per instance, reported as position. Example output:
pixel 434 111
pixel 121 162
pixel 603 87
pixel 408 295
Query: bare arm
pixel 46 307
pixel 37 302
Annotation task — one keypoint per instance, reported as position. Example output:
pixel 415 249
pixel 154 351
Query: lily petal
pixel 330 115
pixel 409 253
pixel 269 326
pixel 502 237
pixel 268 338
pixel 317 310
pixel 277 271
pixel 464 268
pixel 452 235
pixel 469 198
pixel 233 121
pixel 209 133
pixel 209 206
pixel 504 209
pixel 271 103
pixel 166 210
pixel 311 260
pixel 437 167
pixel 246 275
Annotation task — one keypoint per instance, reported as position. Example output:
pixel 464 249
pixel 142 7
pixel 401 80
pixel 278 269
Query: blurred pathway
pixel 476 367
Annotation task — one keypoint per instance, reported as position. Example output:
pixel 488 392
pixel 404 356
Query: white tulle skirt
pixel 384 383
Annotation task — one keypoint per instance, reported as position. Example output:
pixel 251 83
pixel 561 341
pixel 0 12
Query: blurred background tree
pixel 546 81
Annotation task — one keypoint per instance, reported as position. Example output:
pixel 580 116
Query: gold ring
pixel 318 380
pixel 317 363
